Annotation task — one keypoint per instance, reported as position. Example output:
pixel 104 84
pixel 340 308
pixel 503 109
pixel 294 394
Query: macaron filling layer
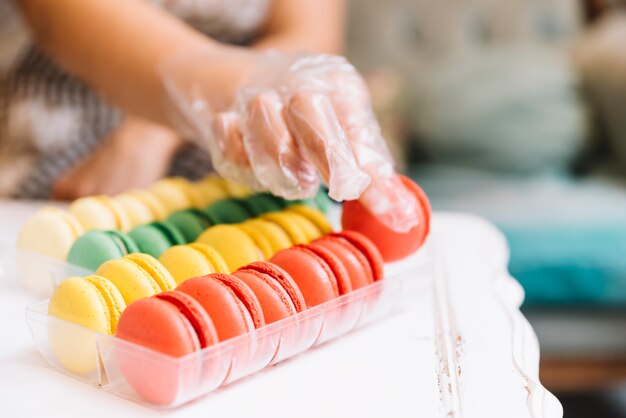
pixel 111 300
pixel 180 301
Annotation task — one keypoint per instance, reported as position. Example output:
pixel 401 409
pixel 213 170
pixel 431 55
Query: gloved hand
pixel 275 121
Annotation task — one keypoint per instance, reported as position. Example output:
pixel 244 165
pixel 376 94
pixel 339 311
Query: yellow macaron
pixel 92 302
pixel 192 260
pixel 137 276
pixel 203 193
pixel 100 212
pixel 269 237
pixel 315 216
pixel 138 212
pixel 234 245
pixel 157 209
pixel 172 193
pixel 299 228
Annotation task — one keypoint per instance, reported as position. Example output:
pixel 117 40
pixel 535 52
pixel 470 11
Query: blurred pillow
pixel 512 108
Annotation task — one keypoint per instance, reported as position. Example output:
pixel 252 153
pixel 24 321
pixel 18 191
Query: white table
pixel 461 349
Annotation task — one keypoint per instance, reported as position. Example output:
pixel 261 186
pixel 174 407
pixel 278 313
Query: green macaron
pixel 190 222
pixel 260 203
pixel 156 237
pixel 320 201
pixel 227 211
pixel 95 247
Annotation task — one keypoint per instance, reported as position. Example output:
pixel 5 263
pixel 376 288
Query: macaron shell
pixel 96 247
pixel 166 327
pixel 113 299
pixel 392 245
pixel 312 275
pixel 136 210
pixel 93 213
pixel 283 278
pixel 274 234
pixel 260 203
pixel 172 193
pixel 290 224
pixel 156 237
pixel 79 301
pixel 274 300
pixel 211 254
pixel 155 269
pixel 158 210
pixel 235 246
pixel 132 281
pixel 50 231
pixel 195 314
pixel 344 285
pixel 354 261
pixel 190 222
pixel 185 261
pixel 313 215
pixel 229 314
pixel 227 211
pixel 367 248
pixel 260 239
pixel 311 231
pixel 204 193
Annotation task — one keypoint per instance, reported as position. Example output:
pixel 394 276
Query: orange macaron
pixel 393 245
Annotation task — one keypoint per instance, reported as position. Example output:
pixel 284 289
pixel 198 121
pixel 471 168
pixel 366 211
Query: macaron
pixel 172 193
pixel 230 302
pixel 137 276
pixel 393 245
pixel 171 323
pixel 192 260
pixel 260 203
pixel 299 229
pixel 157 209
pixel 156 237
pixel 99 212
pixel 365 247
pixel 233 189
pixel 95 247
pixel 227 211
pixel 266 233
pixel 235 246
pixel 312 274
pixel 316 217
pixel 50 231
pixel 190 222
pixel 344 284
pixel 92 302
pixel 354 261
pixel 203 193
pixel 137 211
pixel 275 289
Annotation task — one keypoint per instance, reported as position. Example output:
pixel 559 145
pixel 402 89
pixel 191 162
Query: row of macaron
pixel 237 244
pixel 135 295
pixel 170 198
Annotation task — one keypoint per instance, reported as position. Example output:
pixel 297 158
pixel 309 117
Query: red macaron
pixel 312 274
pixel 276 290
pixel 231 304
pixel 356 264
pixel 392 245
pixel 171 323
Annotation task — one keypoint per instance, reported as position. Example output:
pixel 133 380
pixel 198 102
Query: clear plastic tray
pixel 34 273
pixel 146 376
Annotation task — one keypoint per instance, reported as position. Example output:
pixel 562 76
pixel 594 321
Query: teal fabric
pixel 567 236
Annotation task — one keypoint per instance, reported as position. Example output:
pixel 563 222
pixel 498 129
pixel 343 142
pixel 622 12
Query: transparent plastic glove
pixel 275 121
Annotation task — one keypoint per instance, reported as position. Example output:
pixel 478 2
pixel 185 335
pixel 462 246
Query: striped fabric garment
pixel 50 120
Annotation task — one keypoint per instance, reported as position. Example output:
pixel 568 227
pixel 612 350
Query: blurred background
pixel 516 110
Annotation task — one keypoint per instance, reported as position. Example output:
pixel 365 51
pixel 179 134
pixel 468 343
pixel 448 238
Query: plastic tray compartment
pixel 146 376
